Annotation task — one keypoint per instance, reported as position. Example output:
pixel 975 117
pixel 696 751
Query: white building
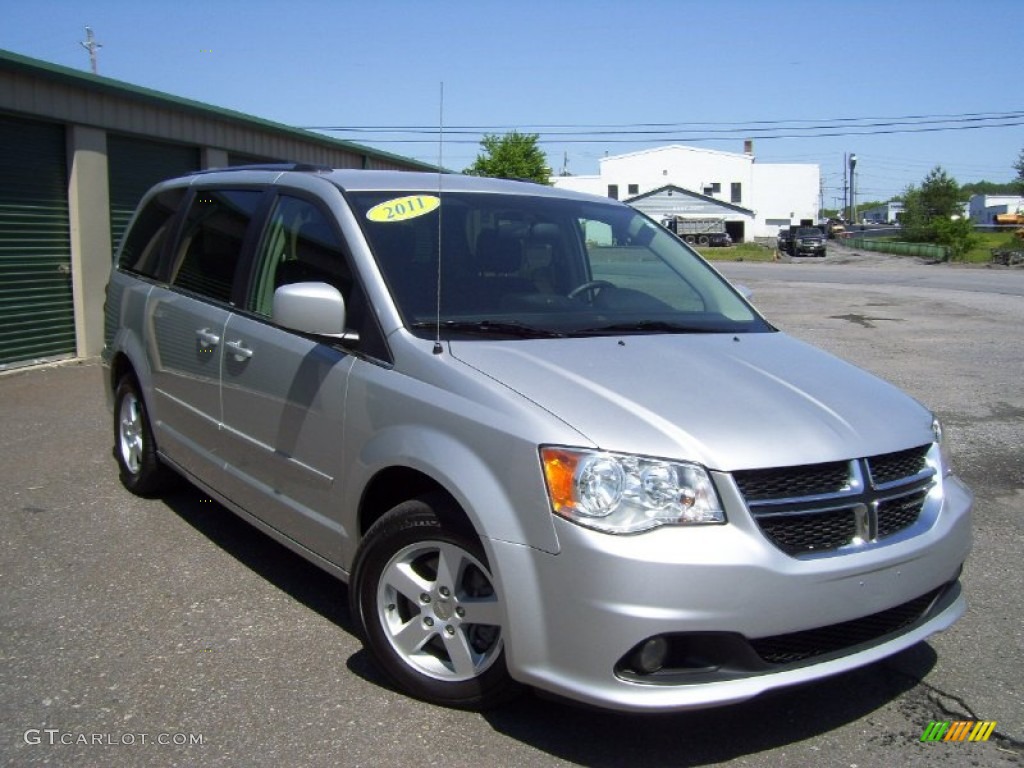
pixel 670 200
pixel 983 209
pixel 887 213
pixel 756 198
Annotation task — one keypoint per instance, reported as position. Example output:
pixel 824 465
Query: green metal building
pixel 77 152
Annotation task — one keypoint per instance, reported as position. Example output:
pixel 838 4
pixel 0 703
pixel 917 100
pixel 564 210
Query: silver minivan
pixel 545 444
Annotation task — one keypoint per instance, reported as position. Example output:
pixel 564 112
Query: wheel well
pixel 394 485
pixel 120 366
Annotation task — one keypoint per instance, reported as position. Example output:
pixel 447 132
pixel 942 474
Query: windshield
pixel 524 266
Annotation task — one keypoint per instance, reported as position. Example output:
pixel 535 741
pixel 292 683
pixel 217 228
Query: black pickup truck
pixel 807 241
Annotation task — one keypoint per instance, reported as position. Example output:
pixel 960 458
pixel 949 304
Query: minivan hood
pixel 726 401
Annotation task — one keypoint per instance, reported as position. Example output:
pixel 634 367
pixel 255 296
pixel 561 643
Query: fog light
pixel 651 655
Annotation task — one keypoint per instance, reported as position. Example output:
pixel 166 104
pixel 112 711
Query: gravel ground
pixel 129 619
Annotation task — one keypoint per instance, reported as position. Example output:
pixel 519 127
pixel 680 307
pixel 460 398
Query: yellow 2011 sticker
pixel 403 208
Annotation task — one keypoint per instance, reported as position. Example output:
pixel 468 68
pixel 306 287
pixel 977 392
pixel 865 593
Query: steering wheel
pixel 591 285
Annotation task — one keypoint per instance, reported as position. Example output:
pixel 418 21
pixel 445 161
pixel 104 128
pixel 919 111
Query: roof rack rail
pixel 300 167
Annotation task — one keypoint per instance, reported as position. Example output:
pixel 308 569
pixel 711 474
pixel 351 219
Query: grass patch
pixel 981 253
pixel 739 252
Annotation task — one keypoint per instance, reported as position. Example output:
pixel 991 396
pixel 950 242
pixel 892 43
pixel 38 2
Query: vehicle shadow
pixel 306 583
pixel 578 734
pixel 311 586
pixel 712 736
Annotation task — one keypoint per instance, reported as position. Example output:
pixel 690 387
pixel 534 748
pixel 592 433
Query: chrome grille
pixel 818 508
pixel 890 467
pixel 895 515
pixel 763 484
pixel 794 534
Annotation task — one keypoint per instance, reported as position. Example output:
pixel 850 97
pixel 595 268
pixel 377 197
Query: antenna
pixel 438 349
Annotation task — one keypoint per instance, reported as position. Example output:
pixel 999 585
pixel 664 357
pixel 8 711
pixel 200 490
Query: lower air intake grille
pixel 797 646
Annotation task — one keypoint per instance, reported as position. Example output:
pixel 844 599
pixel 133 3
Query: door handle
pixel 207 338
pixel 238 350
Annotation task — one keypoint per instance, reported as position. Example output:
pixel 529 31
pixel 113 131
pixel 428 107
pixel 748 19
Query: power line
pixel 907 164
pixel 634 136
pixel 663 127
pixel 887 170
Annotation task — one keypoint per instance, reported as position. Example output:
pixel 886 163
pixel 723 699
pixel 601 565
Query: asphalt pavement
pixel 169 633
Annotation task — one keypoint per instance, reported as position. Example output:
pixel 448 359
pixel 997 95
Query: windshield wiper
pixel 644 326
pixel 492 328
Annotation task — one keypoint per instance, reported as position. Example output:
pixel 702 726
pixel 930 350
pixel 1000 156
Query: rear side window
pixel 211 241
pixel 145 242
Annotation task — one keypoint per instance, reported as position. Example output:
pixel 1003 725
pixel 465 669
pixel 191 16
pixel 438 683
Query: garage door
pixel 134 165
pixel 36 303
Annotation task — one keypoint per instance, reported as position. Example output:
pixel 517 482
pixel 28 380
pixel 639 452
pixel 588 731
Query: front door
pixel 284 394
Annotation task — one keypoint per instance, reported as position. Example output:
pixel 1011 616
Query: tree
pixel 932 214
pixel 940 195
pixel 956 234
pixel 1019 167
pixel 867 205
pixel 913 218
pixel 988 188
pixel 512 156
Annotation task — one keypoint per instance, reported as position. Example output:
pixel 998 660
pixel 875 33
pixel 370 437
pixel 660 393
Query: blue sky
pixel 732 66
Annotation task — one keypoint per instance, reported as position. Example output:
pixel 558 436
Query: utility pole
pixel 821 200
pixel 853 189
pixel 845 214
pixel 91 45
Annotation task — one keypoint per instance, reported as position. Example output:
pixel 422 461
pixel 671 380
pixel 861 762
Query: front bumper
pixel 813 250
pixel 575 616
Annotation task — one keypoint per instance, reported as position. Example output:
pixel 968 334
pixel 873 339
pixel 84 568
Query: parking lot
pixel 168 632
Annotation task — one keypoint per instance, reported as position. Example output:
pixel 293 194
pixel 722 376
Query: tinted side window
pixel 211 241
pixel 144 243
pixel 299 245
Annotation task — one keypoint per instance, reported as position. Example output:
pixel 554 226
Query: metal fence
pixel 922 250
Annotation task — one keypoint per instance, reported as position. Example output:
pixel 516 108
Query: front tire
pixel 140 468
pixel 424 599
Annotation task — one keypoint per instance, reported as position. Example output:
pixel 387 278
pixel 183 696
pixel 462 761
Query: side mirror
pixel 315 308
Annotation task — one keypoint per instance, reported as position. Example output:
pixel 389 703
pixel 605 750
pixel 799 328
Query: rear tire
pixel 424 600
pixel 141 470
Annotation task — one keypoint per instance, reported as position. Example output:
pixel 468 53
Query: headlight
pixel 620 493
pixel 947 462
